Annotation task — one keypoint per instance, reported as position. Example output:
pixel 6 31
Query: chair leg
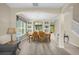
pixel 29 40
pixel 19 48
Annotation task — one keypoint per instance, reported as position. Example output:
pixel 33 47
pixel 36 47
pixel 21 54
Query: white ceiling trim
pixel 40 5
pixel 38 16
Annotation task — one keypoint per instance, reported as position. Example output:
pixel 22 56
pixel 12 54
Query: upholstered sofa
pixel 8 49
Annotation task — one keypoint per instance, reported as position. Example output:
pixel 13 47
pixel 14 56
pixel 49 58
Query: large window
pixel 21 27
pixel 38 26
pixel 52 28
pixel 75 27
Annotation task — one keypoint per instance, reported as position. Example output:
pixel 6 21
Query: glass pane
pixel 52 29
pixel 21 27
pixel 38 27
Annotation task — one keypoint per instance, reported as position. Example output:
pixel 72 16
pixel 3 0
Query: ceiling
pixel 40 5
pixel 37 15
pixel 34 16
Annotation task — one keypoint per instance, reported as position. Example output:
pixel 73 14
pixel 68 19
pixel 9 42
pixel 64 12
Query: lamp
pixel 11 31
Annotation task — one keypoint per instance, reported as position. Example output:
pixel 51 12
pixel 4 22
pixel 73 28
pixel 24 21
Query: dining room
pixel 39 25
pixel 36 30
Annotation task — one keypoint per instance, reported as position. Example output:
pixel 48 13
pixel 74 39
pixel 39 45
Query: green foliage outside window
pixel 52 28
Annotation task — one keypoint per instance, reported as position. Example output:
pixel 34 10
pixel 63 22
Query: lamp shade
pixel 11 31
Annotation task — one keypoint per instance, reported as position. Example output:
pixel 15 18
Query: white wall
pixel 68 17
pixel 4 18
pixel 56 32
pixel 7 19
pixel 59 31
pixel 76 12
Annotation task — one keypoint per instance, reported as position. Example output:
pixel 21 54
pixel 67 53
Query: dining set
pixel 39 36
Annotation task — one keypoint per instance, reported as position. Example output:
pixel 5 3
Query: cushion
pixel 5 38
pixel 6 53
pixel 8 48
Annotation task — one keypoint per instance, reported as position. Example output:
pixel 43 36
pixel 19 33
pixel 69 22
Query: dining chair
pixel 42 36
pixel 35 36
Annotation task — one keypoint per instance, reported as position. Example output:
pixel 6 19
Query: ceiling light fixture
pixel 35 4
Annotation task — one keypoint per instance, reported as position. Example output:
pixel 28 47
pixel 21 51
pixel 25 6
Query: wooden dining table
pixel 47 37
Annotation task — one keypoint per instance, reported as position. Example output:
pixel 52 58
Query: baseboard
pixel 74 44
